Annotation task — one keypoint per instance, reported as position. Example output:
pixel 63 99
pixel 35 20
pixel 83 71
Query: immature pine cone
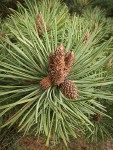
pixel 69 89
pixel 45 82
pixel 57 65
pixel 39 24
pixel 69 60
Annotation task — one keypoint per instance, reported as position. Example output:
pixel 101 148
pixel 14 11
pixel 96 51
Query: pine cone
pixel 69 89
pixel 57 65
pixel 39 24
pixel 45 82
pixel 69 60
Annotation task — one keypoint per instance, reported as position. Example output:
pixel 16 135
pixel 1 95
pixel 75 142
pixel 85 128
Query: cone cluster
pixel 40 24
pixel 59 66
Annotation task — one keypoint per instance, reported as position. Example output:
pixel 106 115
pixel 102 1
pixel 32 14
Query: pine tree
pixel 41 102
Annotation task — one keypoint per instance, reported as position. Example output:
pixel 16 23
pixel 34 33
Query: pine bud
pixel 45 82
pixel 69 89
pixel 97 117
pixel 39 24
pixel 86 37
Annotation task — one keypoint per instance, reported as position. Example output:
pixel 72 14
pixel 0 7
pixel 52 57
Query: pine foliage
pixel 48 111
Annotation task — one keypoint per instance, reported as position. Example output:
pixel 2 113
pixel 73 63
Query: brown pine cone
pixel 69 89
pixel 39 24
pixel 57 65
pixel 69 60
pixel 45 82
